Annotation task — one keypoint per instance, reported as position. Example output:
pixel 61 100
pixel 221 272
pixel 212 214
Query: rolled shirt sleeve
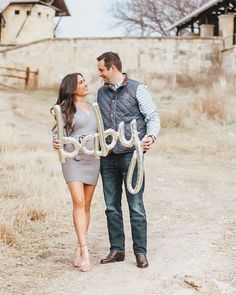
pixel 148 109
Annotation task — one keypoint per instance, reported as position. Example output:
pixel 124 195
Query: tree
pixel 151 17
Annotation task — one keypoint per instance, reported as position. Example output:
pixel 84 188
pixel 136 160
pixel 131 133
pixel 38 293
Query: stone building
pixel 215 18
pixel 25 21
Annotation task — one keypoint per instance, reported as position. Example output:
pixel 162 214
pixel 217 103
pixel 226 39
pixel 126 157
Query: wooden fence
pixel 30 77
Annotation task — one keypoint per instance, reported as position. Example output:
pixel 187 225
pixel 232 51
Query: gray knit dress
pixel 82 168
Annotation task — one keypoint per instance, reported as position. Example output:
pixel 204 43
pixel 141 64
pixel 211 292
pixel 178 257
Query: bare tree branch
pixel 151 17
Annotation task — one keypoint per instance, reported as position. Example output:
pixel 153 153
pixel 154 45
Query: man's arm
pixel 148 109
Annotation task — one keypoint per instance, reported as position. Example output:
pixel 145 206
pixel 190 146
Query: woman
pixel 80 173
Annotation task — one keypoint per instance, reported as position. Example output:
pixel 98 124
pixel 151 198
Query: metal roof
pixel 195 13
pixel 58 5
pixel 4 3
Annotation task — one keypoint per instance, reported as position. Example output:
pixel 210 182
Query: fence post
pixel 27 77
pixel 36 79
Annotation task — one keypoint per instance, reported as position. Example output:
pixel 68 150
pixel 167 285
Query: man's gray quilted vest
pixel 121 105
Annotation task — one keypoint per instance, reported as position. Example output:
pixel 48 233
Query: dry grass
pixel 198 121
pixel 7 236
pixel 198 111
pixel 30 178
pixel 31 182
pixel 216 103
pixel 36 214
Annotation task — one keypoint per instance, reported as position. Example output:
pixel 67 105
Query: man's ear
pixel 114 68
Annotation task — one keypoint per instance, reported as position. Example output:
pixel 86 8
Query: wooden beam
pixel 17 70
pixel 12 76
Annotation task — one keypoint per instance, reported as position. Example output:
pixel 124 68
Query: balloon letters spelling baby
pixel 100 147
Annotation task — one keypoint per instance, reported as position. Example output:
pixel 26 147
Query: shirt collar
pixel 118 84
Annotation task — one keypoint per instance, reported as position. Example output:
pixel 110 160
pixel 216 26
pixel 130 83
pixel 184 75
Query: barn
pixel 25 21
pixel 215 18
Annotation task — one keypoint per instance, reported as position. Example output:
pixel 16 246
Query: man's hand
pixel 56 144
pixel 147 142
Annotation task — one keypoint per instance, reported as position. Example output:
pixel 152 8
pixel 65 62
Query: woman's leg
pixel 82 197
pixel 79 219
pixel 88 192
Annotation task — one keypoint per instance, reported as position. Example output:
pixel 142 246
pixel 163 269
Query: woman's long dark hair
pixel 66 100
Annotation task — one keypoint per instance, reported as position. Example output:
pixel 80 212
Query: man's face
pixel 104 73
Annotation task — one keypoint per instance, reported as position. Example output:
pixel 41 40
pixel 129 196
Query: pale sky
pixel 89 18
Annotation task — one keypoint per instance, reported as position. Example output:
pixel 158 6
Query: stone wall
pixel 151 60
pixel 35 22
pixel 229 62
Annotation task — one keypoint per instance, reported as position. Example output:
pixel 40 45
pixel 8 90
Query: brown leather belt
pixel 112 153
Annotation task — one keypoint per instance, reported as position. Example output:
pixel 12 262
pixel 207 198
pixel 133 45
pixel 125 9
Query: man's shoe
pixel 113 256
pixel 141 261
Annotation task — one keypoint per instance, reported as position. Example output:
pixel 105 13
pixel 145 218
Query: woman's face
pixel 82 87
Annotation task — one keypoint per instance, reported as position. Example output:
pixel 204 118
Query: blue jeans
pixel 114 169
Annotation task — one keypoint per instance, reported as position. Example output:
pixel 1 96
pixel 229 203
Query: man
pixel 123 99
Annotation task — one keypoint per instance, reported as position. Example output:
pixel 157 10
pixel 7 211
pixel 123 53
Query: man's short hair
pixel 111 58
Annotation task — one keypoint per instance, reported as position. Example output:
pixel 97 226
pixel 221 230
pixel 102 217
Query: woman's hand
pixel 56 144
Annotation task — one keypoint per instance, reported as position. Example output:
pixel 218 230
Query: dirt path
pixel 191 221
pixel 190 202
